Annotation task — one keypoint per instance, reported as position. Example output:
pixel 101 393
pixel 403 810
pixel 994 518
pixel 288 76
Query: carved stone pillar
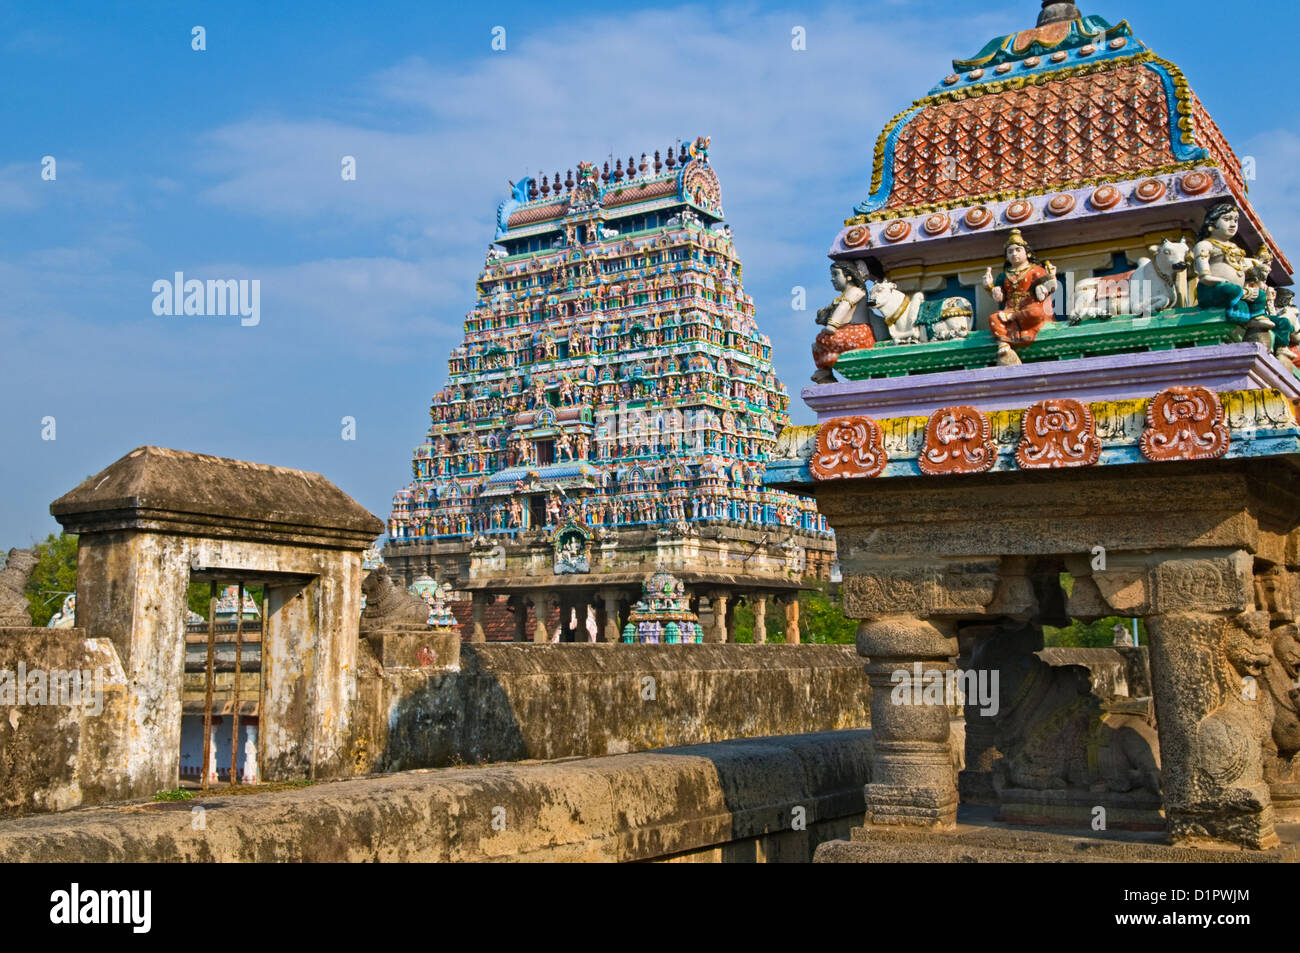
pixel 914 782
pixel 759 600
pixel 521 618
pixel 792 620
pixel 610 630
pixel 478 611
pixel 541 606
pixel 718 602
pixel 1210 650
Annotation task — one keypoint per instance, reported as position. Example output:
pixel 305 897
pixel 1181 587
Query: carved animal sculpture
pixel 390 607
pixel 1053 732
pixel 1283 681
pixel 902 315
pixel 1158 283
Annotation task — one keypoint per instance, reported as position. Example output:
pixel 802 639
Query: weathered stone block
pixel 1218 584
pixel 1125 590
pixel 430 649
pixel 1086 601
pixel 949 590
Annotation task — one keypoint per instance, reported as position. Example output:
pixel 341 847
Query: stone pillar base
pixel 907 805
pixel 1248 824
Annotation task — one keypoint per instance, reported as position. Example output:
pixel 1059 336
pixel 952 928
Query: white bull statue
pixel 911 319
pixel 1158 283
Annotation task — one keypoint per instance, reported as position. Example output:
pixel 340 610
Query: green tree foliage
pixel 1091 635
pixel 54 577
pixel 821 620
pixel 1088 635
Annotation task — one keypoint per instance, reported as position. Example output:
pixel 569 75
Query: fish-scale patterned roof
pixel 1114 123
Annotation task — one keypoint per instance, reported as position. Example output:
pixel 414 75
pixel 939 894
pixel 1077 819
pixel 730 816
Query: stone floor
pixel 980 838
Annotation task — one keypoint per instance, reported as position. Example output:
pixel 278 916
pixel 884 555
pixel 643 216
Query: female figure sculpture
pixel 1024 290
pixel 1222 270
pixel 842 332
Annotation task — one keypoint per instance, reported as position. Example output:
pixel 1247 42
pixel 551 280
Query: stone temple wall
pixel 761 799
pixel 63 742
pixel 513 702
pixel 435 702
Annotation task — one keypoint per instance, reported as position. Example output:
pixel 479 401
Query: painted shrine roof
pixel 1068 105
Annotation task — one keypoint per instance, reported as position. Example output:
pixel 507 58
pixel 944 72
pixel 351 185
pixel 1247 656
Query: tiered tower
pixel 610 411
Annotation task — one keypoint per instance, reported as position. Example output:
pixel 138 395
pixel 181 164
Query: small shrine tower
pixel 1070 393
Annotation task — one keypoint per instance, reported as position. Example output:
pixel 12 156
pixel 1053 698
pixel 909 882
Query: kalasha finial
pixel 532 190
pixel 557 184
pixel 658 165
pixel 685 156
pixel 672 156
pixel 618 171
pixel 604 176
pixel 631 167
pixel 546 189
pixel 644 167
pixel 1054 12
pixel 568 181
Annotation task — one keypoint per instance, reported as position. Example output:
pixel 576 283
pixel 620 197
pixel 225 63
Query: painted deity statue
pixel 843 332
pixel 1024 293
pixel 1226 277
pixel 1286 320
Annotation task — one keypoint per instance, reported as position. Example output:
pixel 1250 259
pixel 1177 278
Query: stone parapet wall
pixel 510 702
pixel 65 745
pixel 737 800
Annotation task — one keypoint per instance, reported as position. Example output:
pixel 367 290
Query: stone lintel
pixel 937 588
pixel 1220 505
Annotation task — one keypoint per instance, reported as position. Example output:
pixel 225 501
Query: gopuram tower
pixel 607 420
pixel 1070 393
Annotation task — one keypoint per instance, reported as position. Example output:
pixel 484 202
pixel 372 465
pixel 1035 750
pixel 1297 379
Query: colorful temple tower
pixel 1093 147
pixel 609 414
pixel 1070 395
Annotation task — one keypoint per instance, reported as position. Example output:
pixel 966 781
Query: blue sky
pixel 225 163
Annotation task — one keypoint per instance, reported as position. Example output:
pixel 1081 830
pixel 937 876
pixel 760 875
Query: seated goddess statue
pixel 1222 270
pixel 1024 291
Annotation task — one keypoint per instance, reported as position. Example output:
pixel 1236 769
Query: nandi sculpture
pixel 913 320
pixel 1158 283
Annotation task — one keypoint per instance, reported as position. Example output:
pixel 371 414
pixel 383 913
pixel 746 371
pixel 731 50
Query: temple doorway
pixel 221 696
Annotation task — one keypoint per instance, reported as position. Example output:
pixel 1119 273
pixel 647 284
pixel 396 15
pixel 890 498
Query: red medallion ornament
pixel 1058 433
pixel 957 440
pixel 848 447
pixel 1196 183
pixel 1185 423
pixel 1106 197
pixel 857 236
pixel 897 231
pixel 1149 190
pixel 1062 204
pixel 936 224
